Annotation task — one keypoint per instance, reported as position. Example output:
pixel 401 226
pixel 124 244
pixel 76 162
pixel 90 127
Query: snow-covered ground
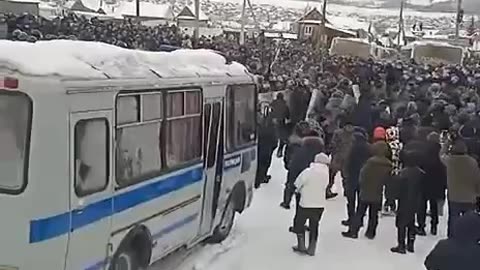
pixel 261 241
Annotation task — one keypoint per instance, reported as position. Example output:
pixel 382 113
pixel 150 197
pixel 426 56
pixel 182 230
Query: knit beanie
pixel 379 134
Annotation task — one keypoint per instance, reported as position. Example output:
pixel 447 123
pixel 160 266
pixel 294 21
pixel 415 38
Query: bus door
pixel 213 162
pixel 90 189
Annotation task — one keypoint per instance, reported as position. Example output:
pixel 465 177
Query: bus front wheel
pixel 222 231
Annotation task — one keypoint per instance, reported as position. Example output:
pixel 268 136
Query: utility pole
pixel 253 15
pixel 196 31
pixel 242 29
pixel 459 19
pixel 400 24
pixel 137 2
pixel 324 13
pixel 321 35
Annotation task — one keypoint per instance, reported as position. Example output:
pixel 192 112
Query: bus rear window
pixel 15 116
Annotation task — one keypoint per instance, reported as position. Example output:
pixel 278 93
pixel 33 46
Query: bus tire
pixel 223 230
pixel 135 250
pixel 126 260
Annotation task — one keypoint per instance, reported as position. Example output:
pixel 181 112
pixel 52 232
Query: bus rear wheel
pixel 223 230
pixel 125 260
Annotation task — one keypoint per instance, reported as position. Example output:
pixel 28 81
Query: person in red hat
pixel 379 134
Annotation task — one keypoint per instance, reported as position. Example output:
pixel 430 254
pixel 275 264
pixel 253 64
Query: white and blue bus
pixel 113 158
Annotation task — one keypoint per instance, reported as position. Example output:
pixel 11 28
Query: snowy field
pixel 261 241
pixel 337 9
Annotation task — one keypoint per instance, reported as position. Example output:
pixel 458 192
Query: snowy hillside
pixel 470 6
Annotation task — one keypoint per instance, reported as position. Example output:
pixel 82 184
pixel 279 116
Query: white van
pixel 113 158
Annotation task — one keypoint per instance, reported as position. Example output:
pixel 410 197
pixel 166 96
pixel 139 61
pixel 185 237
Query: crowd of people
pixel 400 134
pixel 405 139
pixel 274 62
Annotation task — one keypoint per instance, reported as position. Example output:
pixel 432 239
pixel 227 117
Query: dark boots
pixel 411 245
pixel 346 222
pixel 312 245
pixel 370 234
pixel 330 195
pixel 411 241
pixel 287 197
pixel 401 235
pixel 352 232
pixel 420 230
pixel 433 230
pixel 300 247
pixel 400 249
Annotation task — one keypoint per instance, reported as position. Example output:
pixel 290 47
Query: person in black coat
pixel 462 250
pixel 298 131
pixel 280 114
pixel 298 105
pixel 300 160
pixel 267 142
pixel 358 155
pixel 433 186
pixel 409 196
pixel 362 116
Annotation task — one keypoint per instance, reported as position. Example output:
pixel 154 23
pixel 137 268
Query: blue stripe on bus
pixel 54 226
pixel 57 225
pixel 175 226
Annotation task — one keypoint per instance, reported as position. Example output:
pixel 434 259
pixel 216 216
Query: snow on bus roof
pixel 82 59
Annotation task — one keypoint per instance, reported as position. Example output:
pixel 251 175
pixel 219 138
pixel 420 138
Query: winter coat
pixel 462 250
pixel 280 110
pixel 311 182
pixel 375 173
pixel 359 154
pixel 435 181
pixel 342 141
pixel 298 105
pixel 333 105
pixel 408 194
pixel 463 178
pixel 294 143
pixel 363 114
pixel 418 149
pixel 301 159
pixel 267 141
pixel 407 133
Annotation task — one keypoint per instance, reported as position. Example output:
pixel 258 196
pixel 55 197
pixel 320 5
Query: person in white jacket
pixel 310 185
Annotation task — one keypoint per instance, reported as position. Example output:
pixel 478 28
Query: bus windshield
pixel 15 112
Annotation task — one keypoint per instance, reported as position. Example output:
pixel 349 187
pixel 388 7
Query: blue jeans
pixel 455 211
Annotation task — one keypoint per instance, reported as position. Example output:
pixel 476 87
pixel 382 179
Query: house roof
pixel 310 16
pixel 147 10
pixel 349 32
pixel 188 13
pixel 78 5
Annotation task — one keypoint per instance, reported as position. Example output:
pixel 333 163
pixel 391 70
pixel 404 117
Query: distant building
pixel 20 6
pixel 152 12
pixel 186 17
pixel 77 5
pixel 310 26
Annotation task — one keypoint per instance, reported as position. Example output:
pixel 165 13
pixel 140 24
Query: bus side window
pixel 91 156
pixel 241 116
pixel 184 127
pixel 138 153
